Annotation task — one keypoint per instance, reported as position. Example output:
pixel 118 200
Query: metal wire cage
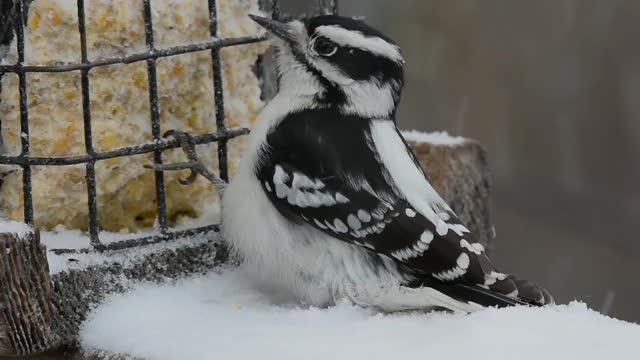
pixel 157 146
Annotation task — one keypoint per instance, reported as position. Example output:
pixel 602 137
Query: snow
pixel 435 138
pixel 62 238
pixel 224 316
pixel 63 262
pixel 16 227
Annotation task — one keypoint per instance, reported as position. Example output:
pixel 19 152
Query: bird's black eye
pixel 325 47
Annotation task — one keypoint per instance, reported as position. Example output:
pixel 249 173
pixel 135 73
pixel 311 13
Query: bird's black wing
pixel 320 169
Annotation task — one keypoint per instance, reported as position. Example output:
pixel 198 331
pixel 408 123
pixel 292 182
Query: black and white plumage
pixel 329 202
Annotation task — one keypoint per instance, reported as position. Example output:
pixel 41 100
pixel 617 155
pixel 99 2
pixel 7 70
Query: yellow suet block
pixel 120 108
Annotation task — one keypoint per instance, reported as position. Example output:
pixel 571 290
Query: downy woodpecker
pixel 329 203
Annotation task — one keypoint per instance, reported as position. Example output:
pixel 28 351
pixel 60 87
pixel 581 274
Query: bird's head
pixel 340 62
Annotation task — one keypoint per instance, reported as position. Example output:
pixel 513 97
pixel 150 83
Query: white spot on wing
pixel 341 198
pixel 367 245
pixel 353 222
pixel 340 226
pixel 280 176
pixel 462 263
pixel 319 224
pixel 291 197
pixel 416 250
pixel 302 199
pixel 326 199
pixel 441 228
pixel 267 186
pixel 426 237
pixel 422 247
pixel 282 190
pixel 409 253
pixel 314 201
pixel 303 181
pixel 475 248
pixel 492 277
pixel 378 213
pixel 458 229
pixel 279 179
pixel 364 215
pixel 330 226
pixel 410 213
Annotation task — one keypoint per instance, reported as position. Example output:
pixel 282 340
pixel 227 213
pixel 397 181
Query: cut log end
pixel 460 174
pixel 26 299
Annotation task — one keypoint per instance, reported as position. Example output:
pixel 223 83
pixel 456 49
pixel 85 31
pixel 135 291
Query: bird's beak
pixel 277 28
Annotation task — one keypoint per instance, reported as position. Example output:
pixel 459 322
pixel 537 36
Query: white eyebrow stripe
pixel 357 39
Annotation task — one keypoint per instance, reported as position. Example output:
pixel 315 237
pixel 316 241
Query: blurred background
pixel 552 89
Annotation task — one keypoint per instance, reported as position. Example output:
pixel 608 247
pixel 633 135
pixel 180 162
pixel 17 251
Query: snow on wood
pixel 17 227
pixel 225 316
pixel 434 138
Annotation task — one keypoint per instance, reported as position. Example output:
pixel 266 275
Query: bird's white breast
pixel 297 262
pixel 289 260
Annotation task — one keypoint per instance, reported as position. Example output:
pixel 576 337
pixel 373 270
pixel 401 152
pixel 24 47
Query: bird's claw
pixel 193 163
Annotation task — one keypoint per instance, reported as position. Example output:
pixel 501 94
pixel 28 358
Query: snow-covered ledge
pixel 223 316
pixel 433 138
pixel 171 310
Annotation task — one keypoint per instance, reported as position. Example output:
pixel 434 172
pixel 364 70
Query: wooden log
pixel 460 173
pixel 27 295
pixel 42 310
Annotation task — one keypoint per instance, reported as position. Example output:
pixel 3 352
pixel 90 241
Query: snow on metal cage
pixel 157 146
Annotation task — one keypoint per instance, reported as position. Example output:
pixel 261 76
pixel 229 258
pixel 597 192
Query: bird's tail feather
pixel 510 291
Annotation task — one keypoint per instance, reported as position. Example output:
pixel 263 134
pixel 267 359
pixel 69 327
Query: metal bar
pixel 157 53
pixel 147 240
pixel 218 92
pixel 90 169
pixel 120 152
pixel 157 146
pixel 161 201
pixel 24 114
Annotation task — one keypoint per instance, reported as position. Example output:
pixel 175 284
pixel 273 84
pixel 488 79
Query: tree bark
pixel 40 311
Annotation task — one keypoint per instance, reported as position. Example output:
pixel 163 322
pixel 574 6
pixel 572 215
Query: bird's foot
pixel 193 163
